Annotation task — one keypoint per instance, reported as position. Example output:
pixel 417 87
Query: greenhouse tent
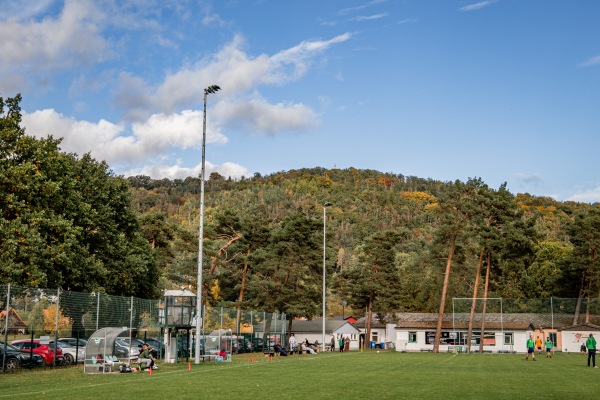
pixel 102 353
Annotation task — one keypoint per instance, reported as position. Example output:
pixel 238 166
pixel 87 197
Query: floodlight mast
pixel 209 90
pixel 324 268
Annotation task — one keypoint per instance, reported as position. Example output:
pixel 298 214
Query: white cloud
pixel 182 130
pixel 227 170
pixel 236 72
pixel 258 116
pixel 591 61
pixel 78 136
pixel 71 39
pixel 407 21
pixel 370 17
pixel 586 196
pixel 15 9
pixel 361 7
pixel 477 6
pixel 112 143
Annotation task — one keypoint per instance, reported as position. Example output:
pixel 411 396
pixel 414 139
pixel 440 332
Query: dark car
pixel 44 350
pixel 158 348
pixel 16 358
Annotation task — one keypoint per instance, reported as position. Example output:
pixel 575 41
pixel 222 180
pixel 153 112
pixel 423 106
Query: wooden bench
pixel 424 349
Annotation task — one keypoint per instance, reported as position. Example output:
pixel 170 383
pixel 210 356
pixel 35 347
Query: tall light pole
pixel 324 268
pixel 211 89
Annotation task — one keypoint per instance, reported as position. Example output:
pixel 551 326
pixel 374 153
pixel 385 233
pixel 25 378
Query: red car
pixel 44 350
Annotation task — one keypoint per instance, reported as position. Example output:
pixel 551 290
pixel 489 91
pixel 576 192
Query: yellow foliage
pixel 64 323
pixel 213 320
pixel 215 291
pixel 418 196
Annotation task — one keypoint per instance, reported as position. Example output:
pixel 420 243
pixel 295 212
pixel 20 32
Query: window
pixel 489 338
pixel 552 336
pixel 412 337
pixel 508 338
pixel 374 336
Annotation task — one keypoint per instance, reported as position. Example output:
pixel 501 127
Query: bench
pixel 424 349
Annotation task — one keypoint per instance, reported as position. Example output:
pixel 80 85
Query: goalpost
pixel 487 314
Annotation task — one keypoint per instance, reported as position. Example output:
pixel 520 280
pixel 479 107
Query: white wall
pixel 572 340
pixel 519 342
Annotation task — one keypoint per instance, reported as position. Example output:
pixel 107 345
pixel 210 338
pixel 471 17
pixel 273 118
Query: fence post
pixel 130 326
pixel 6 328
pixel 552 311
pixel 56 325
pixel 97 310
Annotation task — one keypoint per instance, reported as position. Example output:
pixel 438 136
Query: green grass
pixel 354 375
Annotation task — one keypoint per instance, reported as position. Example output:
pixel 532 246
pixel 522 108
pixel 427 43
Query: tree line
pixel 393 242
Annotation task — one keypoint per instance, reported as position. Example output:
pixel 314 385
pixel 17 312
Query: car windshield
pixel 74 342
pixel 8 347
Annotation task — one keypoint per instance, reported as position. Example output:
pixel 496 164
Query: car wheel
pixel 12 364
pixel 68 359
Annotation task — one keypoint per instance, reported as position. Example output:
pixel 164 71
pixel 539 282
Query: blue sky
pixel 505 90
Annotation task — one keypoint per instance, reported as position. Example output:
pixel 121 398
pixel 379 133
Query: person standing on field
pixel 591 347
pixel 538 344
pixel 292 343
pixel 530 348
pixel 548 348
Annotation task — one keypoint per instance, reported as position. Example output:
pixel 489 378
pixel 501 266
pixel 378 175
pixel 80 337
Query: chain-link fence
pixel 29 315
pixel 553 312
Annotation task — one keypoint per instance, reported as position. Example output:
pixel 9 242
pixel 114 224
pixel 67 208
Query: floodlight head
pixel 212 89
pixel 327 204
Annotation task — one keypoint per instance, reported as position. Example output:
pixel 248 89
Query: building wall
pixel 572 340
pixel 404 342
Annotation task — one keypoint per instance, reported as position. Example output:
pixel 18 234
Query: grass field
pixel 353 375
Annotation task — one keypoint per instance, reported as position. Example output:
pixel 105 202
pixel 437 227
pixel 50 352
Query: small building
pixel 16 325
pixel 176 318
pixel 576 335
pixel 313 331
pixel 383 334
pixel 502 332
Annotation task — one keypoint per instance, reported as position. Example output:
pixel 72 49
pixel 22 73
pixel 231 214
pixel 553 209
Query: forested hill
pixel 393 242
pixel 391 239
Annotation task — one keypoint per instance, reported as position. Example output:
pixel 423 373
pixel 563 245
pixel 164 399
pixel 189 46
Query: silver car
pixel 121 349
pixel 71 354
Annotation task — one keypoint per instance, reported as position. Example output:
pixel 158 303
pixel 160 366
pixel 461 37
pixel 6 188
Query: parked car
pixel 70 353
pixel 158 347
pixel 44 350
pixel 16 358
pixel 74 342
pixel 122 349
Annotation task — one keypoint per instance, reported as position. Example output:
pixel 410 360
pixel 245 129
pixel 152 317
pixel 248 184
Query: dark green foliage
pixel 66 222
pixel 69 222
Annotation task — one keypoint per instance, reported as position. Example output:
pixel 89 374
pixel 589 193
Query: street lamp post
pixel 324 268
pixel 209 90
